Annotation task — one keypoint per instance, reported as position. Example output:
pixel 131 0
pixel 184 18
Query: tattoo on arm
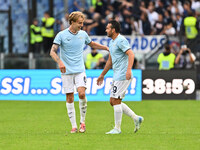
pixel 53 53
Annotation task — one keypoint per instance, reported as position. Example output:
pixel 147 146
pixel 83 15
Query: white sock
pixel 126 110
pixel 71 114
pixel 83 109
pixel 118 116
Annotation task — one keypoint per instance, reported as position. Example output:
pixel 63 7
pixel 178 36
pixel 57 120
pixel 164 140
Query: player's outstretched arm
pixel 53 54
pixel 105 70
pixel 98 46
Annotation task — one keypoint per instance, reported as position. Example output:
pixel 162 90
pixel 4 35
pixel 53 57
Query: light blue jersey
pixel 118 48
pixel 71 52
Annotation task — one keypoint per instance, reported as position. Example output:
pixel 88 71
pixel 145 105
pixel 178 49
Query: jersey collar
pixel 72 32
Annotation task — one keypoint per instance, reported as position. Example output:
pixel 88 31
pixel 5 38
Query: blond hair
pixel 75 15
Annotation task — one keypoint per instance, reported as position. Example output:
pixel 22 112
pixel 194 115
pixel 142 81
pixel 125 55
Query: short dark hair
pixel 167 47
pixel 116 25
pixel 47 12
pixel 35 19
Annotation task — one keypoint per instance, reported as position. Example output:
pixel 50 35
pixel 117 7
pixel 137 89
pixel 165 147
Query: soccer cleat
pixel 82 128
pixel 138 122
pixel 74 130
pixel 114 131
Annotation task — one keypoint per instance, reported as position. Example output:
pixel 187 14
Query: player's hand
pixel 62 67
pixel 128 74
pixel 100 80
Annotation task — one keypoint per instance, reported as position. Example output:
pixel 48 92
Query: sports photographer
pixel 185 58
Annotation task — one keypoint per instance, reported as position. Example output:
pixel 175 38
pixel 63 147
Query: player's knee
pixel 81 95
pixel 70 99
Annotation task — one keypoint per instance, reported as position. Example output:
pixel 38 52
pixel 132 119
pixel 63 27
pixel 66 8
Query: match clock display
pixel 174 84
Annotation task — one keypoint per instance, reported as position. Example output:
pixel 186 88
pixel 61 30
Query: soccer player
pixel 72 41
pixel 121 59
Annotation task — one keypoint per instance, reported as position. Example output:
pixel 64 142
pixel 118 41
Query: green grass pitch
pixel 168 125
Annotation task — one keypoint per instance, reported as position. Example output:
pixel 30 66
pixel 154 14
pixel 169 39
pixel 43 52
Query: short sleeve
pixel 87 39
pixel 124 45
pixel 57 39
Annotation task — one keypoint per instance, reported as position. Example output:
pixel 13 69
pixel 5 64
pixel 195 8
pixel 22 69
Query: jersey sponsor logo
pixel 67 39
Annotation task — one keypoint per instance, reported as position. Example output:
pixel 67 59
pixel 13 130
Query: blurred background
pixel 153 28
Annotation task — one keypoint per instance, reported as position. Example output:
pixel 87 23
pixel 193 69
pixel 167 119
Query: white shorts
pixel 69 81
pixel 118 88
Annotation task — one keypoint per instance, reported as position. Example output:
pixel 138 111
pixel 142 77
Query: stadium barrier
pixel 45 85
pixel 140 44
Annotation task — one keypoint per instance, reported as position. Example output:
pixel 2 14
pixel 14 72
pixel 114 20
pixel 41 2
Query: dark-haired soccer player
pixel 121 59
